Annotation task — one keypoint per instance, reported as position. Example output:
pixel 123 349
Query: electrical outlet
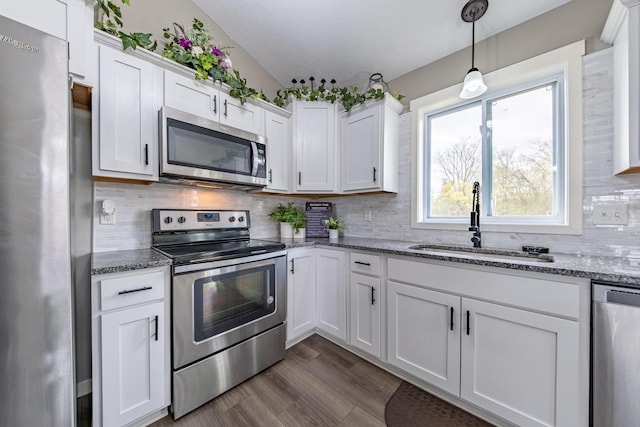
pixel 368 216
pixel 107 219
pixel 610 214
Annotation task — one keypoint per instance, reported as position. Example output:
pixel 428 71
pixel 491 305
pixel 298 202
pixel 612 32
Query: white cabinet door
pixel 245 116
pixel 191 96
pixel 45 15
pixel 365 313
pixel 331 292
pixel 128 117
pixel 301 293
pixel 277 131
pixel 133 363
pixel 315 142
pixel 369 139
pixel 424 334
pixel 361 149
pixel 520 365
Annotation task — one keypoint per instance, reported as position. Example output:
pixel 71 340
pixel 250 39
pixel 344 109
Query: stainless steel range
pixel 228 301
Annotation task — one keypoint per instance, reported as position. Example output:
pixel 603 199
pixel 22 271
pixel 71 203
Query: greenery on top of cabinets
pixel 348 97
pixel 195 49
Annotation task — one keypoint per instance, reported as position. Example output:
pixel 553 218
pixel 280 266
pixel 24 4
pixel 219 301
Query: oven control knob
pixel 168 220
pixel 240 219
pixel 232 219
pixel 182 220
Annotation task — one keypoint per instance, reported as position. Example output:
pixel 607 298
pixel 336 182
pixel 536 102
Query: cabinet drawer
pixel 131 289
pixel 365 263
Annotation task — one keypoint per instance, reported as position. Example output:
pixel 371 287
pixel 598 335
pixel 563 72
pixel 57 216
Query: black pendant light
pixel 473 84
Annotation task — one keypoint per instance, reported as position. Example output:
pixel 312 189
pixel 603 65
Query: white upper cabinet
pixel 127 145
pixel 623 31
pixel 241 116
pixel 278 134
pixel 369 140
pixel 314 143
pixel 191 96
pixel 202 99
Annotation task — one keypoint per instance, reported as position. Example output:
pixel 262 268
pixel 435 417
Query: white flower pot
pixel 333 234
pixel 300 233
pixel 286 231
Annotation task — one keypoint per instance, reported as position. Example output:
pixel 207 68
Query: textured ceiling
pixel 350 40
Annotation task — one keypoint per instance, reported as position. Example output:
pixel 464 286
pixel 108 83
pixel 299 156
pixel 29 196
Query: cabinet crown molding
pixel 616 17
pixel 629 3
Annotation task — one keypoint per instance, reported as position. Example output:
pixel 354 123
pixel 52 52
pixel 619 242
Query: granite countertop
pixel 606 269
pixel 118 261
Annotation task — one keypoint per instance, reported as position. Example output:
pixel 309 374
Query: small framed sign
pixel 318 213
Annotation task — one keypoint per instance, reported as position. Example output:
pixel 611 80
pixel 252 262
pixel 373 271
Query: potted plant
pixel 335 227
pixel 292 220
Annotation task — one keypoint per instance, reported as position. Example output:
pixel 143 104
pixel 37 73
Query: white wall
pixel 391 213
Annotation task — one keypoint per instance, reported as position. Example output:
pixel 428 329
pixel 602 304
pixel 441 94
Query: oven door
pixel 225 303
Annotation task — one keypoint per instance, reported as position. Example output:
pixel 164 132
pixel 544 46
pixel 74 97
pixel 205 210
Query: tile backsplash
pixel 391 217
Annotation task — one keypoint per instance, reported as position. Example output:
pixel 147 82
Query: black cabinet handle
pixel 270 176
pixel 468 327
pixel 373 295
pixel 156 334
pixel 374 174
pixel 215 104
pixel 293 266
pixel 130 291
pixel 225 108
pixel 362 263
pixel 451 321
pixel 299 178
pixel 146 154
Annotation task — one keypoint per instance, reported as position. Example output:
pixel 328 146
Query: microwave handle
pixel 256 159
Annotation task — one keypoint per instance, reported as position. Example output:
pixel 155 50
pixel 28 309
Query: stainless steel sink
pixel 487 254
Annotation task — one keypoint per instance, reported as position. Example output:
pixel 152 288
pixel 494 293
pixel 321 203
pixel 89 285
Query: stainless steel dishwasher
pixel 615 356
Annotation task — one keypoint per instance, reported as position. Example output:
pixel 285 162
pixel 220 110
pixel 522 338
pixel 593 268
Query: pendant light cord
pixel 473 40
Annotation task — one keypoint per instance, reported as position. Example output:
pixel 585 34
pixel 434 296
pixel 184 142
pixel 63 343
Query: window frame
pixel 564 64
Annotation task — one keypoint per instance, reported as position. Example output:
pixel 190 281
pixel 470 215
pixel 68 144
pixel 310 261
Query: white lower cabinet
pixel 365 313
pixel 301 294
pixel 514 344
pixel 331 292
pixel 424 334
pixel 520 365
pixel 130 347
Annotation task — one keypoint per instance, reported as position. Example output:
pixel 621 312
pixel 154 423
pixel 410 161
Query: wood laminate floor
pixel 317 384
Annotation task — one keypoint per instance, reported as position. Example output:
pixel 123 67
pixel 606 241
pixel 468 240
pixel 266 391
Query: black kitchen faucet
pixel 475 216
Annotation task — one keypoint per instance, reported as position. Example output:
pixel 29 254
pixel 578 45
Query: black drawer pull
pixel 362 263
pixel 156 334
pixel 293 265
pixel 270 176
pixel 146 154
pixel 215 104
pixel 373 295
pixel 374 174
pixel 225 108
pixel 468 326
pixel 451 321
pixel 130 291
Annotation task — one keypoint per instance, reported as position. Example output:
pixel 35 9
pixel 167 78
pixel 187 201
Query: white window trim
pixel 566 60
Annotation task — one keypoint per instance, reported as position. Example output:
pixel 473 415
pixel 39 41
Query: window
pixel 521 141
pixel 518 135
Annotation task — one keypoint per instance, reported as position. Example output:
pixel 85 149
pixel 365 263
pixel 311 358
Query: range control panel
pixel 186 219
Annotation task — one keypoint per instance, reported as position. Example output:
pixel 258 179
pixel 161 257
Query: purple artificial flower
pixel 184 42
pixel 216 51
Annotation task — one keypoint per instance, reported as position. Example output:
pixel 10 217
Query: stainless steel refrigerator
pixel 36 335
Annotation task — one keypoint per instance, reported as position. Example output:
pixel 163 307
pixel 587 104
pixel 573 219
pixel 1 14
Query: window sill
pixel 502 227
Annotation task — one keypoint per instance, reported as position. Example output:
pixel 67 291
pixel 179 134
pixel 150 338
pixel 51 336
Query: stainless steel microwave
pixel 194 148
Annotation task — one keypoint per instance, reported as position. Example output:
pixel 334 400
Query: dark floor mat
pixel 410 406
